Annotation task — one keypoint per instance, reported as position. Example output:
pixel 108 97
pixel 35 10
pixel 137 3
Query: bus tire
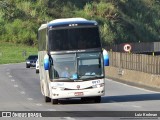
pixel 37 71
pixel 54 101
pixel 47 99
pixel 97 99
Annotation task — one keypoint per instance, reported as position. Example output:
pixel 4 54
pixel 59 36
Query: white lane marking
pixel 12 80
pixel 16 85
pixel 39 104
pixel 136 106
pixel 68 118
pixel 8 73
pixel 51 110
pixel 30 99
pixel 133 86
pixel 22 92
pixel 10 76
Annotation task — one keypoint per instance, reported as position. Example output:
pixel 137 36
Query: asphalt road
pixel 20 91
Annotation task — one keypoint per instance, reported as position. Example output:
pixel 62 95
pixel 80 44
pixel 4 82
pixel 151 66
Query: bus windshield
pixel 63 66
pixel 84 65
pixel 90 65
pixel 74 38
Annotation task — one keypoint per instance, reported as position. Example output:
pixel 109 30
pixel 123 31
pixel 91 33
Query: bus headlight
pixel 57 88
pixel 98 85
pixel 60 88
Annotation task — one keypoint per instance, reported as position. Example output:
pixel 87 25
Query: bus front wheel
pixel 47 99
pixel 54 101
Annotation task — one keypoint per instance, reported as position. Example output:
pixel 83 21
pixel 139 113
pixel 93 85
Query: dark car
pixel 31 61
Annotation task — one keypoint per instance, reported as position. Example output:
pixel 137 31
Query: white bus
pixel 71 60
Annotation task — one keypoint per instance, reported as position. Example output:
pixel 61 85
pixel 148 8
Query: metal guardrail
pixel 139 62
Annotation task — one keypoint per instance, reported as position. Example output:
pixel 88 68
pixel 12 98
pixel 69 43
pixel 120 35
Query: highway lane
pixel 20 91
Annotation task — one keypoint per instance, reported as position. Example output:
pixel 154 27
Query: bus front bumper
pixel 58 94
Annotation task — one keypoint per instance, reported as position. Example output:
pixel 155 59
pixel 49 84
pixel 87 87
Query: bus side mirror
pixel 106 58
pixel 46 62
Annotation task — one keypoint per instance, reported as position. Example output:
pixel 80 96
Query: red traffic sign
pixel 127 47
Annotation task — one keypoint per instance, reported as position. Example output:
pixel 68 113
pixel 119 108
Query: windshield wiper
pixel 90 76
pixel 65 78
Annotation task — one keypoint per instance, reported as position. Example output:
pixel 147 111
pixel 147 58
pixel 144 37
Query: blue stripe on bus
pixel 72 22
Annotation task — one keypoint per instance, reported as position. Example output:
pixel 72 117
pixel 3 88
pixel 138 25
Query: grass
pixel 15 53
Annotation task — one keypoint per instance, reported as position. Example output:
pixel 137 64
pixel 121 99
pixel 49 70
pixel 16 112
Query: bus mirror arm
pixel 50 60
pixel 99 62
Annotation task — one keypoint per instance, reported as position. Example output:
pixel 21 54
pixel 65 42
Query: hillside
pixel 13 53
pixel 120 20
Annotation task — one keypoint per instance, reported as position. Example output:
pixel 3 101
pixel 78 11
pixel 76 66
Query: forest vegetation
pixel 120 21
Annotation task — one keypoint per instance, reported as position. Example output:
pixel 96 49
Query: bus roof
pixel 68 21
pixel 43 26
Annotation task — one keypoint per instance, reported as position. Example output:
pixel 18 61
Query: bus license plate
pixel 78 93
